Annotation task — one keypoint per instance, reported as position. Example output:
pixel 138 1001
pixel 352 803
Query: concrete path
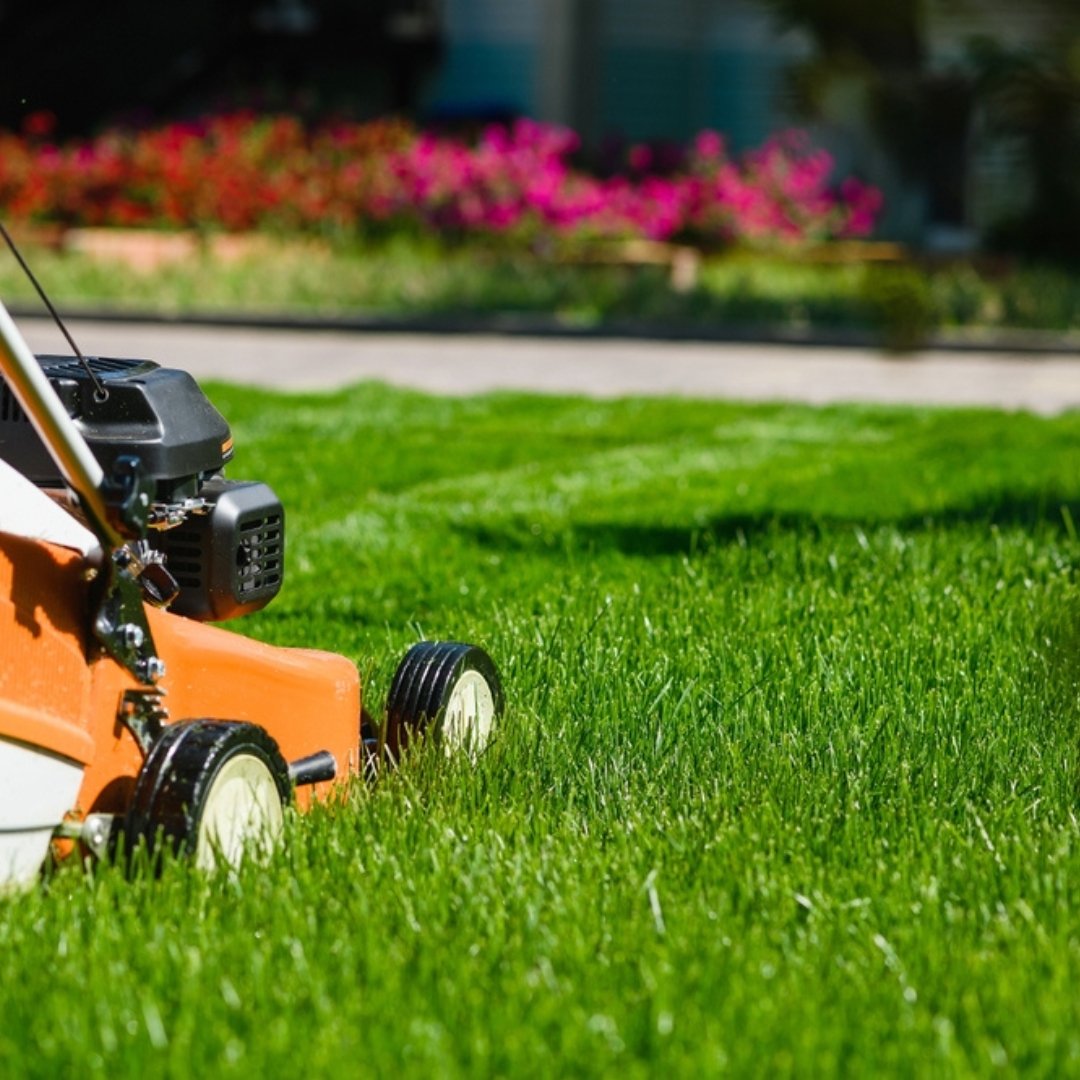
pixel 602 367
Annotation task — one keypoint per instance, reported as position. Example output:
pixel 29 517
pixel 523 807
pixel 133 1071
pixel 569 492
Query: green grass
pixel 414 276
pixel 787 781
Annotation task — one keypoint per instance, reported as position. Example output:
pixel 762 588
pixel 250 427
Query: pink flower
pixel 709 146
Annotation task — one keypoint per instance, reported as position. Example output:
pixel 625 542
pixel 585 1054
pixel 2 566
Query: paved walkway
pixel 602 367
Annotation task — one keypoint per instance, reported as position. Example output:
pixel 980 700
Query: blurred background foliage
pixel 965 112
pixel 1023 89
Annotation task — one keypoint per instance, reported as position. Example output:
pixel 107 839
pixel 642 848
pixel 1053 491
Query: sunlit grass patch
pixel 787 780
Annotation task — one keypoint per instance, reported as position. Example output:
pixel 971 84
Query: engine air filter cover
pixel 230 561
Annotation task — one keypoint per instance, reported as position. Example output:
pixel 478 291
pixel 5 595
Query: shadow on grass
pixel 641 539
pixel 1055 690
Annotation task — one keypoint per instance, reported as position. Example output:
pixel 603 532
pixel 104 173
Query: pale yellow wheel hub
pixel 470 716
pixel 242 815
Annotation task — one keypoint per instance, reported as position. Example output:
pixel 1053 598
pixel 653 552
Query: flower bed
pixel 240 172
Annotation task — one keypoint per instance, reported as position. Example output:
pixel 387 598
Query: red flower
pixel 39 125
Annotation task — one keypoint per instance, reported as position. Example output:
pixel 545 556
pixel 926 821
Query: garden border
pixel 1014 342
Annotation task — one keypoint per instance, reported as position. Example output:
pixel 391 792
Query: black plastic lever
pixel 313 769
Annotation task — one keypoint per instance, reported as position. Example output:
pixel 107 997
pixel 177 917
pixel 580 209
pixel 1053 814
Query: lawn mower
pixel 126 721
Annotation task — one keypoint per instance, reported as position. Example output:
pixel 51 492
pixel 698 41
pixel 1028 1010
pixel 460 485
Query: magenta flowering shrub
pixel 521 180
pixel 240 172
pixel 778 194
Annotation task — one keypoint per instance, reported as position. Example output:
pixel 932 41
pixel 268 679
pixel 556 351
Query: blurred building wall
pixel 666 69
pixel 492 52
pixel 643 69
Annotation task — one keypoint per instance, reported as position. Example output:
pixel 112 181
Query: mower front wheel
pixel 447 691
pixel 214 790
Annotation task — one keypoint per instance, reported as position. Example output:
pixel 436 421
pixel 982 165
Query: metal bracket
pixel 128 494
pixel 144 714
pixel 120 624
pixel 93 831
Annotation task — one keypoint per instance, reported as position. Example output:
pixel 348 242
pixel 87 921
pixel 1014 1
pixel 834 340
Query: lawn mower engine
pixel 218 545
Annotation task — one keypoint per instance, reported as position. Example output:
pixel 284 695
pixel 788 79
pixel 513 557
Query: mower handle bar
pixel 73 457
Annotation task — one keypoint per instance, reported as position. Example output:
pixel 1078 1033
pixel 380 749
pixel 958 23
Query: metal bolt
pixel 132 635
pixel 96 831
pixel 153 668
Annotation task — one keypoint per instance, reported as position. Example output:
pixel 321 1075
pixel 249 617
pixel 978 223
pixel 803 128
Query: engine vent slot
pixel 259 556
pixel 59 367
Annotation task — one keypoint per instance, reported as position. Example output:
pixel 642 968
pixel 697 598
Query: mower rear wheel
pixel 447 691
pixel 214 790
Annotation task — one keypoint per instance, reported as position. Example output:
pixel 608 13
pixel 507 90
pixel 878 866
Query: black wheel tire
pixel 447 691
pixel 211 789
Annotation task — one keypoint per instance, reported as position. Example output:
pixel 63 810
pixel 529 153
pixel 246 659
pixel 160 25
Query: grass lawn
pixel 413 276
pixel 787 781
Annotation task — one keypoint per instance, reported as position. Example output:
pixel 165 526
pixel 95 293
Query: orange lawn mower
pixel 125 720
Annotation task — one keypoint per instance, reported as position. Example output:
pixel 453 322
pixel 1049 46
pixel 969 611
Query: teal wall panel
pixel 743 90
pixel 650 93
pixel 484 77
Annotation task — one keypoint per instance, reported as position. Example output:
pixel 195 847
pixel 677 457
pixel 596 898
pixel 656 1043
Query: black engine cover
pixel 158 414
pixel 227 553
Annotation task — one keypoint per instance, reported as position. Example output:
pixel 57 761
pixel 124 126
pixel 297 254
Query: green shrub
pixel 900 303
